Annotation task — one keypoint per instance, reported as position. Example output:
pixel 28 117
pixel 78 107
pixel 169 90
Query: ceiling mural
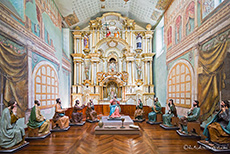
pixel 80 12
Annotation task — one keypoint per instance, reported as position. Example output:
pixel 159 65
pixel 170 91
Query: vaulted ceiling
pixel 79 12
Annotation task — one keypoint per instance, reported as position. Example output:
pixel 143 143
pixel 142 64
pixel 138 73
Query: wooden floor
pixel 81 139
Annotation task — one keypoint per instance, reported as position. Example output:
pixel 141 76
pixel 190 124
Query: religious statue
pixel 91 114
pixel 218 129
pixel 60 119
pixel 76 115
pixel 112 66
pixel 86 41
pixel 192 115
pixel 171 113
pixel 139 70
pixel 10 135
pixel 139 110
pixel 115 108
pixel 139 40
pixel 108 32
pixel 156 109
pixel 36 120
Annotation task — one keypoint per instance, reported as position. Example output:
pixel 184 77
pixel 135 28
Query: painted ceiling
pixel 79 12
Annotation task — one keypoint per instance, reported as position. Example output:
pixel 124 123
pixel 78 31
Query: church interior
pixel 115 76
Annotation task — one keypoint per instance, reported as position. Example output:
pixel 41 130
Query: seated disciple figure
pixel 139 110
pixel 192 115
pixel 156 109
pixel 36 120
pixel 218 129
pixel 171 113
pixel 91 114
pixel 60 119
pixel 10 135
pixel 77 116
pixel 115 108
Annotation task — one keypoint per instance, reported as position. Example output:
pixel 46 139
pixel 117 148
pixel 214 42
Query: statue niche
pixel 112 65
pixel 112 90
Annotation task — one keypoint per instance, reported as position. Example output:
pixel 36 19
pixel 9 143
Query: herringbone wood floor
pixel 153 140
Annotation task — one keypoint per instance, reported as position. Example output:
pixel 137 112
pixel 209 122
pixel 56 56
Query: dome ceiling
pixel 79 12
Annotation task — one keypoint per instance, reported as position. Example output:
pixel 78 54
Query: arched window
pixel 46 85
pixel 180 85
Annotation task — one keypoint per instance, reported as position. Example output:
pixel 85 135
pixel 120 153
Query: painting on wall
pixel 207 7
pixel 163 4
pixel 189 18
pixel 178 28
pixel 71 19
pixel 155 15
pixel 13 75
pixel 169 36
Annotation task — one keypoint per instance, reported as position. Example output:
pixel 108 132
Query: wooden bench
pixel 175 121
pixel 33 132
pixel 194 126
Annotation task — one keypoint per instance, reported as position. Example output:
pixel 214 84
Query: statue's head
pixel 58 100
pixel 156 99
pixel 77 101
pixel 37 102
pixel 12 104
pixel 225 103
pixel 195 103
pixel 171 102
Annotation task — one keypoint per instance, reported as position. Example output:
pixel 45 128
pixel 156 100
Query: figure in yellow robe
pixel 36 120
pixel 60 119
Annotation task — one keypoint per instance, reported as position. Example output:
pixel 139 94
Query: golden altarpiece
pixel 113 57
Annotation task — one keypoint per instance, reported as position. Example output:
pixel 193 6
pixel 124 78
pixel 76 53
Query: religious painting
pixel 13 75
pixel 155 15
pixel 178 28
pixel 207 7
pixel 190 18
pixel 71 19
pixel 163 4
pixel 169 36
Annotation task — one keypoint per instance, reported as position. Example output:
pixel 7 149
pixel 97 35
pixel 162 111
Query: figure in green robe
pixel 139 110
pixel 171 113
pixel 36 120
pixel 156 109
pixel 10 135
pixel 218 129
pixel 192 115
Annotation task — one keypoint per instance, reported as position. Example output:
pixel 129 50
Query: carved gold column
pixel 146 73
pixel 74 73
pixel 151 72
pixel 92 73
pixel 126 35
pixel 75 44
pixel 80 73
pixel 80 45
pixel 132 69
pixel 93 38
pixel 98 36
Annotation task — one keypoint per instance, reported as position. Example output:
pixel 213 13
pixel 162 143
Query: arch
pixel 178 83
pixel 115 50
pixel 52 89
pixel 105 40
